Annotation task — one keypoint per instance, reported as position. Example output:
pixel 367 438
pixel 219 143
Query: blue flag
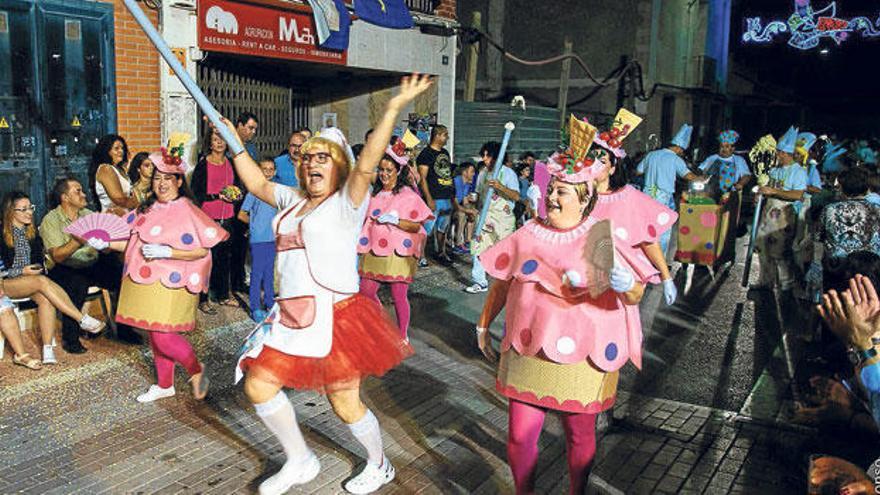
pixel 386 13
pixel 332 23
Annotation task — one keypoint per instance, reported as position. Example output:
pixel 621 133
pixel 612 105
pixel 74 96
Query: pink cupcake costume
pixel 160 285
pixel 388 253
pixel 567 334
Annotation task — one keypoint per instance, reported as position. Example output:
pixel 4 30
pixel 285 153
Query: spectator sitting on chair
pixel 465 206
pixel 22 252
pixel 12 332
pixel 108 177
pixel 77 267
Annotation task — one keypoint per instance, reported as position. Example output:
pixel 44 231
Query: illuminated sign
pixel 806 27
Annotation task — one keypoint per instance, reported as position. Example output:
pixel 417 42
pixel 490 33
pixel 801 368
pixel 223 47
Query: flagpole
pixel 183 76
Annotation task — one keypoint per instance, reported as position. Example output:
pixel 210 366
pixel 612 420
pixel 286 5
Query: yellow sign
pixel 3 123
pixel 180 54
pixel 581 134
pixel 76 122
pixel 410 139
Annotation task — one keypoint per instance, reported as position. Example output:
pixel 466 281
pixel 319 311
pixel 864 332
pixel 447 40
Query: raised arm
pixel 359 181
pixel 249 172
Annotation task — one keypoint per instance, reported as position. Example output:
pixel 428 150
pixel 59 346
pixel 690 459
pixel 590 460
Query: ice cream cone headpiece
pixel 582 162
pixel 169 160
pixel 728 137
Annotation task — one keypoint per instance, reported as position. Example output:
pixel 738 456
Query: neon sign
pixel 807 27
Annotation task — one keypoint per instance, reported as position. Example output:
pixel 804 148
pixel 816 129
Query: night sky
pixel 840 88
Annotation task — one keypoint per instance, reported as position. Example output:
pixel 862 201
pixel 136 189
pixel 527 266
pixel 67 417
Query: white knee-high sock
pixel 366 431
pixel 280 418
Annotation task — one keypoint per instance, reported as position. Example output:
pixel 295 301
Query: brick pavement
pixel 79 430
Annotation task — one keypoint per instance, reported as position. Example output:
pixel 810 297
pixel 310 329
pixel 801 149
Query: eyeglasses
pixel 294 145
pixel 321 158
pixel 31 208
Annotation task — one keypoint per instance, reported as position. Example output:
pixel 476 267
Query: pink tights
pixel 169 348
pixel 524 428
pixel 370 288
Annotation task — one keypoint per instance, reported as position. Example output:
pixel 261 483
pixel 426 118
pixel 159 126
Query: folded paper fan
pixel 104 226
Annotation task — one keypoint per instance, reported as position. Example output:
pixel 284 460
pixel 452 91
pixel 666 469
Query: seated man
pixel 74 266
pixel 465 206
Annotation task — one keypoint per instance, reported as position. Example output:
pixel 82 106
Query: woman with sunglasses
pixel 323 335
pixel 21 251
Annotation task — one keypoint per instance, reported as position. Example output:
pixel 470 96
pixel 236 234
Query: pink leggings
pixel 370 288
pixel 524 428
pixel 169 348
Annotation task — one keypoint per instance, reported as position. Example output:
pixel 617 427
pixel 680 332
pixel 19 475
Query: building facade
pixel 680 47
pixel 72 71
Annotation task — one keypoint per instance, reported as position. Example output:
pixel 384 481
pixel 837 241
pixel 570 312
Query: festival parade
pixel 439 247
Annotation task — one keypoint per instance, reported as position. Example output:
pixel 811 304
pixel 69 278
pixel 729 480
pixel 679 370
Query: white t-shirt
pixel 103 198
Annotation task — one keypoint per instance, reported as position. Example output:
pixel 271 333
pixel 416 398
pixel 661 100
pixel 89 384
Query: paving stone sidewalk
pixel 79 430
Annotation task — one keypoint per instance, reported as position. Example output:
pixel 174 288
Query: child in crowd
pixel 258 215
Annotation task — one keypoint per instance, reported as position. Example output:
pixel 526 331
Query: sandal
pixel 27 361
pixel 200 388
pixel 207 308
pixel 229 303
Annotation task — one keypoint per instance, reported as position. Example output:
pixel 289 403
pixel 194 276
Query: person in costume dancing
pixel 323 335
pixel 393 237
pixel 562 348
pixel 167 266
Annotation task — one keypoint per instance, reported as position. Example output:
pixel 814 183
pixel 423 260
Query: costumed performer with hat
pixel 393 235
pixel 776 230
pixel 167 265
pixel 661 168
pixel 732 170
pixel 322 335
pixel 636 223
pixel 562 348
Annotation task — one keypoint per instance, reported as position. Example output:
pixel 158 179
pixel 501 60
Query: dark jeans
pixel 105 273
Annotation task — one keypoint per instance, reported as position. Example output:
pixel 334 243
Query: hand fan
pixel 104 226
pixel 599 257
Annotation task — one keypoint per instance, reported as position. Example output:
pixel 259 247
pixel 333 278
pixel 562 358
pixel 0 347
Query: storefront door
pixel 57 91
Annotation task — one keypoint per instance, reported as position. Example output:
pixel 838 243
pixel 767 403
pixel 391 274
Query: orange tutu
pixel 365 342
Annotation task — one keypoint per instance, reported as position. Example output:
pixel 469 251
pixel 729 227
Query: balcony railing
pixel 422 6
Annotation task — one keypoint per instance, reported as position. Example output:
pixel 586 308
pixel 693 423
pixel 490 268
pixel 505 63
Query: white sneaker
pixel 371 478
pixel 476 289
pixel 292 473
pixel 49 355
pixel 91 325
pixel 156 392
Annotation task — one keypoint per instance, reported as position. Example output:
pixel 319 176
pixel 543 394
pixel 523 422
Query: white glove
pixel 670 292
pixel 156 251
pixel 391 218
pixel 97 244
pixel 621 279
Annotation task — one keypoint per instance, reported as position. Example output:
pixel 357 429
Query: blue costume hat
pixel 729 137
pixel 788 140
pixel 683 138
pixel 806 140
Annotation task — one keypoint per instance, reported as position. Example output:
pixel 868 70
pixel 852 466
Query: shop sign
pixel 246 29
